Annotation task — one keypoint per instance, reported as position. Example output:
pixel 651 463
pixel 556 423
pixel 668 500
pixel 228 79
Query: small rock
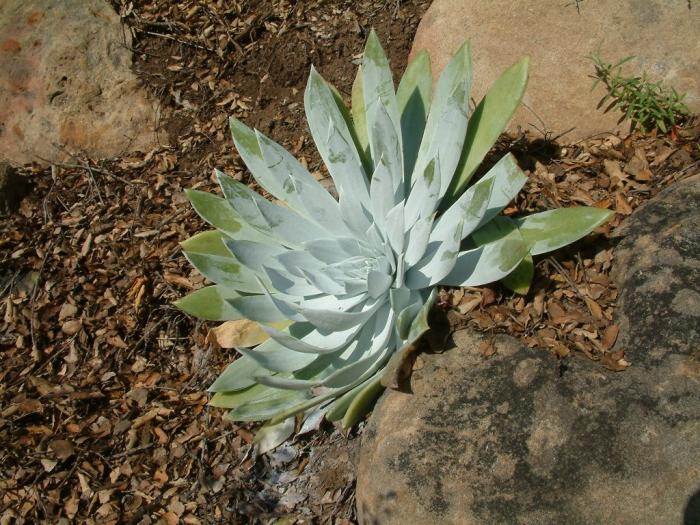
pixel 662 35
pixel 13 188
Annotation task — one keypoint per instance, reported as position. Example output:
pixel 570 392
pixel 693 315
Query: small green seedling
pixel 645 104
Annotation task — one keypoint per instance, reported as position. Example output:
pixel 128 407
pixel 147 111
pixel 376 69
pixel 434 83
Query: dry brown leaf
pixel 162 436
pixel 615 361
pixel 71 327
pixel 594 307
pixel 488 296
pixel 638 166
pixel 662 155
pixel 468 303
pixel 71 507
pixel 240 333
pixel 62 448
pixel 48 464
pixel 160 476
pixel 621 205
pixel 487 348
pixel 610 336
pixel 612 168
pixel 558 315
pixel 179 280
pixel 42 385
pixel 67 310
pixel 399 367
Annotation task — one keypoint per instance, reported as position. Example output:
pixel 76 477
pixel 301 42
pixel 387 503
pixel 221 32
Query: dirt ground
pixel 103 415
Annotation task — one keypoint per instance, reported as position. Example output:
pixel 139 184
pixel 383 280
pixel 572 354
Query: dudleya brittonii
pixel 356 277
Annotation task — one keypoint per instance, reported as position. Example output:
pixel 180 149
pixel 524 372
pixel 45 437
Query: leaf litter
pixel 103 416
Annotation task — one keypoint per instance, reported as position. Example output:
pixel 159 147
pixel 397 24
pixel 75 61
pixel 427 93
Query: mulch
pixel 103 412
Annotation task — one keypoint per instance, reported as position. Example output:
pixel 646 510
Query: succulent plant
pixel 342 286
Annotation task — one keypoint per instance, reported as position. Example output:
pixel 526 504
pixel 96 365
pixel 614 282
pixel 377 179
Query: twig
pixel 573 285
pixel 35 349
pixel 88 168
pixel 184 42
pixel 94 182
pixel 10 283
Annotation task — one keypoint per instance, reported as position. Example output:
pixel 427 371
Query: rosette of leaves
pixel 342 286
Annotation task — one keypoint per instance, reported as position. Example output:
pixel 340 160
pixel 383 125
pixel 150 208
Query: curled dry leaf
pixel 468 303
pixel 398 370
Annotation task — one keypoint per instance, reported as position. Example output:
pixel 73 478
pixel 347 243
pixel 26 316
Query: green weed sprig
pixel 645 104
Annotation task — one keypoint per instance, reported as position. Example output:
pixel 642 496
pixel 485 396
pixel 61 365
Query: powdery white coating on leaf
pixel 355 278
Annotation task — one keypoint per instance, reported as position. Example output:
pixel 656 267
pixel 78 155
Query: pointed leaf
pixel 446 126
pixel 425 194
pixel 269 437
pixel 438 261
pixel 413 100
pixel 274 357
pixel 363 401
pixel 335 143
pixel 420 323
pixel 519 280
pixel 549 230
pixel 257 308
pixel 304 338
pixel 294 185
pixel 253 393
pixel 338 408
pixel 500 248
pixel 268 408
pixel 470 209
pixel 360 143
pixel 238 375
pixel 487 122
pixel 208 254
pixel 385 145
pixel 210 303
pixel 359 116
pixel 248 148
pixel 219 213
pixel 508 180
pixel 383 119
pixel 418 241
pixel 284 225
